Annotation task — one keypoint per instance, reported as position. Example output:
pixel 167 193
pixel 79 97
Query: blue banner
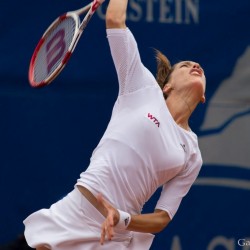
pixel 47 135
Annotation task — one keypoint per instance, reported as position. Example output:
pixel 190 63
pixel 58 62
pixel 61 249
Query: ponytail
pixel 164 69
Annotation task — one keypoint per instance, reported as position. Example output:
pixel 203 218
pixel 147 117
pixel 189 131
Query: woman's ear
pixel 203 99
pixel 167 89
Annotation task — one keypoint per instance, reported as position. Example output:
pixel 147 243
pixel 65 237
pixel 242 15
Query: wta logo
pixel 153 119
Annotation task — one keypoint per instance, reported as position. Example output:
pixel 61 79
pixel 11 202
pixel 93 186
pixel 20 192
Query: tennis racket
pixel 57 45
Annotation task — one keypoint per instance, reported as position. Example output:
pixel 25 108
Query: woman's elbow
pixel 114 21
pixel 163 221
pixel 162 226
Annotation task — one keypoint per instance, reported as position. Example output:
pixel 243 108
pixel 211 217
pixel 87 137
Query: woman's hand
pixel 111 220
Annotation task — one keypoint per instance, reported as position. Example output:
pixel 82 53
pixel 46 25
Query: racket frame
pixel 91 8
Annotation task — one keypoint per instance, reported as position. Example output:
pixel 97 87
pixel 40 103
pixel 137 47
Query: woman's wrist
pixel 124 220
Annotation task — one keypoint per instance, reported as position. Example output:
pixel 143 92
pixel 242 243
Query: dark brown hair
pixel 164 69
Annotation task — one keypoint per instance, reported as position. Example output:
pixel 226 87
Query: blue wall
pixel 47 135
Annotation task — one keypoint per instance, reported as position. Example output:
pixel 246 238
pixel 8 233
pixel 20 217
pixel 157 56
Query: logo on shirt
pixel 183 147
pixel 153 119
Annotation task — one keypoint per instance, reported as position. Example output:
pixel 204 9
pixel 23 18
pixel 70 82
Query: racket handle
pixel 95 5
pixel 84 9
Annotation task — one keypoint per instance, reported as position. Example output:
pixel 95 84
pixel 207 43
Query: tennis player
pixel 148 144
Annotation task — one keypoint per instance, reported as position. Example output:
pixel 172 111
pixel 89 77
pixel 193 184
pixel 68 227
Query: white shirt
pixel 142 148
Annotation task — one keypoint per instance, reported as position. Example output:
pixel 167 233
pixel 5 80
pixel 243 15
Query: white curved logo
pixel 225 133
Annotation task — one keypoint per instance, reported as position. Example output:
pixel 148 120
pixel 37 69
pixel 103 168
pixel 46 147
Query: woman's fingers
pixel 102 235
pixel 107 230
pixel 110 227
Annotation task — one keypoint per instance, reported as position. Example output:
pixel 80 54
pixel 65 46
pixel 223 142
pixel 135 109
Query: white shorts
pixel 73 223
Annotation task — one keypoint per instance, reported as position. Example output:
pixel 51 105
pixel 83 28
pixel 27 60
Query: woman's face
pixel 190 76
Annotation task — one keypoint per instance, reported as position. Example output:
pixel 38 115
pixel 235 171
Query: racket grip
pixel 96 4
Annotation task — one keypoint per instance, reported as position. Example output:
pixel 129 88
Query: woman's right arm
pixel 116 14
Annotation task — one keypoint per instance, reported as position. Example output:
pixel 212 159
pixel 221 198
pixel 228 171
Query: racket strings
pixel 56 44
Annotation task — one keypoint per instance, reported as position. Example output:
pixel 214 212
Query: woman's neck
pixel 180 111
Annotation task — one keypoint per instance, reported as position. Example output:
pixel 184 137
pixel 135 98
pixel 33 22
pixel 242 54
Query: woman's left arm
pixel 144 223
pixel 149 223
